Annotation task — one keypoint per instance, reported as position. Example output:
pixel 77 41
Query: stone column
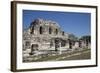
pixel 67 44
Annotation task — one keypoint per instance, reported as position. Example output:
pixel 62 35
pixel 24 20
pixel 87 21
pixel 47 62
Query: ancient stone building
pixel 43 35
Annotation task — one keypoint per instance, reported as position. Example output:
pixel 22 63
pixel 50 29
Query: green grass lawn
pixel 82 56
pixel 75 55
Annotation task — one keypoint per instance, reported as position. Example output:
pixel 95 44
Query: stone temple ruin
pixel 44 36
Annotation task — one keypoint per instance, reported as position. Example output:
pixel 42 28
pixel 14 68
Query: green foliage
pixel 73 37
pixel 86 38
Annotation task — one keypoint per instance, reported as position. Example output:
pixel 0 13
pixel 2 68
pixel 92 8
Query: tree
pixel 86 39
pixel 73 37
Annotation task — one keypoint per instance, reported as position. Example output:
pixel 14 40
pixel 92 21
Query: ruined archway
pixel 34 47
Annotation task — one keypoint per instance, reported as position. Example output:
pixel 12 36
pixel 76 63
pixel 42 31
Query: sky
pixel 76 23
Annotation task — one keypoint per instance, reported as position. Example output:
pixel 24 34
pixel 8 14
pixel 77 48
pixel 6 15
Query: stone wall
pixel 48 35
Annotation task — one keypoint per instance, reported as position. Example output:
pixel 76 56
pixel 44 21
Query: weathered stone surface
pixel 47 35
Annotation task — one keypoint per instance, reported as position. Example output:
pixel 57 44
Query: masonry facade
pixel 47 35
